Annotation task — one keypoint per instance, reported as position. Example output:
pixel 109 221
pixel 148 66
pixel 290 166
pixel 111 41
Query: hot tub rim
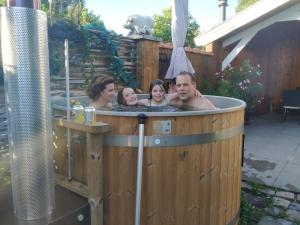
pixel 242 105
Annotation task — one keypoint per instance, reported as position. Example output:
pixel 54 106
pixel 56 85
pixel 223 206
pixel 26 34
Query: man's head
pixel 185 86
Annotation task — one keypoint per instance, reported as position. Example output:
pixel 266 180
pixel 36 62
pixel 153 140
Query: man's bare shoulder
pixel 201 102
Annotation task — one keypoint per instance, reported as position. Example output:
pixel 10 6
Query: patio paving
pixel 272 151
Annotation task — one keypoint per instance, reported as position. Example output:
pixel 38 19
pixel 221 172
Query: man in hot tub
pixel 186 89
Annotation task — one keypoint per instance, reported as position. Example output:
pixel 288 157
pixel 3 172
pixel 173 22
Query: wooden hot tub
pixel 191 165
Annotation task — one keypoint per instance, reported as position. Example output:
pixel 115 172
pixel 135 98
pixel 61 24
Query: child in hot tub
pixel 158 94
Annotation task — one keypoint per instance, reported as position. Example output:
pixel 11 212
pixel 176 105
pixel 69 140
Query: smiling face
pixel 158 93
pixel 185 87
pixel 108 93
pixel 129 96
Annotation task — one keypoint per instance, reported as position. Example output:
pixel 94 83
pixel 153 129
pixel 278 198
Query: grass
pixel 250 214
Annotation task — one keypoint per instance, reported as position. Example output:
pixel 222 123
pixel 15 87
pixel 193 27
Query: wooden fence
pixel 204 63
pixel 99 62
pixel 147 59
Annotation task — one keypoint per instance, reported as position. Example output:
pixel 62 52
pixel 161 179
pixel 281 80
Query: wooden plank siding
pixel 147 62
pixel 205 63
pixel 277 50
pixel 99 62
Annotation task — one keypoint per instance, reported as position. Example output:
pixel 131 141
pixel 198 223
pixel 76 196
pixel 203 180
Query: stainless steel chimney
pixel 223 4
pixel 25 58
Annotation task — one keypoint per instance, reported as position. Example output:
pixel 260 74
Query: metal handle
pixel 141 119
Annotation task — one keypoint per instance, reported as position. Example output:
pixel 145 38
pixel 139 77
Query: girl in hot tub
pixel 158 94
pixel 127 97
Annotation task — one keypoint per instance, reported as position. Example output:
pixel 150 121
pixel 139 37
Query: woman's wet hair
pixel 97 85
pixel 120 97
pixel 158 82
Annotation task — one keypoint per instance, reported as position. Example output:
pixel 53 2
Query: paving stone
pixel 293 214
pixel 281 202
pixel 285 194
pixel 285 222
pixel 298 198
pixel 268 220
pixel 255 200
pixel 268 192
pixel 273 211
pixel 294 206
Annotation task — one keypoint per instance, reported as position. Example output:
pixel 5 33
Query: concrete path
pixel 272 151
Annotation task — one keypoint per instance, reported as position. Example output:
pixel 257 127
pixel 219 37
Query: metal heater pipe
pixel 223 4
pixel 34 4
pixel 139 176
pixel 25 59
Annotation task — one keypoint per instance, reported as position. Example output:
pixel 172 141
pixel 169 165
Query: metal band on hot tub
pixel 173 140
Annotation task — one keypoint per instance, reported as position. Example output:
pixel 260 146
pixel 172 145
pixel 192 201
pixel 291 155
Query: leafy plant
pixel 111 47
pixel 207 87
pixel 82 39
pixel 242 82
pixel 162 27
pixel 247 211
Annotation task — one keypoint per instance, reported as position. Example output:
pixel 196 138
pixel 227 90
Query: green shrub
pixel 242 82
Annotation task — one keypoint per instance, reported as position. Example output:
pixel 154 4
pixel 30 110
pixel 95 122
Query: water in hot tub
pixel 167 108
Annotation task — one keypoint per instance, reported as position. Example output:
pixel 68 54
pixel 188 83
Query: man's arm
pixel 203 103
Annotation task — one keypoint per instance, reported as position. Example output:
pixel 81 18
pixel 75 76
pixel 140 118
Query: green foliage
pixel 247 211
pixel 192 32
pixel 57 33
pixel 207 87
pixel 82 39
pixel 71 11
pixel 243 4
pixel 238 82
pixel 2 3
pixel 256 188
pixel 162 27
pixel 242 82
pixel 111 47
pixel 72 20
pixel 88 17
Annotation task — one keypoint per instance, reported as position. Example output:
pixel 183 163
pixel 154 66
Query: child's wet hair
pixel 159 83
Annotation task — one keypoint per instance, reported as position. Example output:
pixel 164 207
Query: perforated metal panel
pixel 25 55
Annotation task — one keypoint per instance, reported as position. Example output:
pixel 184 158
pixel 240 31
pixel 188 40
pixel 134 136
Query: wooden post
pixel 94 164
pixel 95 177
pixel 147 60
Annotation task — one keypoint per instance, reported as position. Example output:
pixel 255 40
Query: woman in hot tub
pixel 101 91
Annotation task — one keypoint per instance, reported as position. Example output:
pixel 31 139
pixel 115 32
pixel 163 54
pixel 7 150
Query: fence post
pixel 147 60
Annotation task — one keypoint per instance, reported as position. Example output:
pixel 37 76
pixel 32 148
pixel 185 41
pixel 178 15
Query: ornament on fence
pixel 139 25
